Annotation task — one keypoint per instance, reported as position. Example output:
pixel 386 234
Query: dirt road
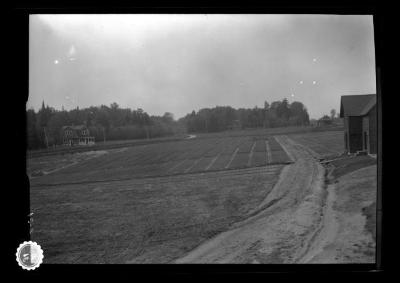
pixel 281 229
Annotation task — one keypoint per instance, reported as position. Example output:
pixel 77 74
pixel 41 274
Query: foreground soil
pixel 153 220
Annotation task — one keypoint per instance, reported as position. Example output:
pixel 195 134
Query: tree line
pixel 221 118
pixel 44 127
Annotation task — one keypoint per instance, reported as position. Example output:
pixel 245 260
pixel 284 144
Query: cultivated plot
pixel 183 157
pixel 324 143
pixel 151 203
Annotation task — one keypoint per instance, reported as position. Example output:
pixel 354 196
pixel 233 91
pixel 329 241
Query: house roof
pixel 325 118
pixel 356 105
pixel 78 127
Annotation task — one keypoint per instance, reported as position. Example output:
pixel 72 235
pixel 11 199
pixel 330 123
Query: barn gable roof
pixel 369 106
pixel 356 105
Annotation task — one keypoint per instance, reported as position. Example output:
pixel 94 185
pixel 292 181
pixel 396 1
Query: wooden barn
pixel 76 135
pixel 359 113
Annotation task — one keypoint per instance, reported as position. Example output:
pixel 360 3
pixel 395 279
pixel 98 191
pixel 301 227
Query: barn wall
pixel 355 133
pixel 373 131
pixel 365 127
pixel 346 133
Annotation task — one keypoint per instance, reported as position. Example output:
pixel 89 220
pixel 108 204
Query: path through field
pixel 283 225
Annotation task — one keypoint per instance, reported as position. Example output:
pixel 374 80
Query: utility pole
pixel 264 117
pixel 104 136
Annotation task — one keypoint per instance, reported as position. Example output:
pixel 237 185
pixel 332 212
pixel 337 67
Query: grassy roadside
pixel 355 183
pixel 370 213
pixel 350 164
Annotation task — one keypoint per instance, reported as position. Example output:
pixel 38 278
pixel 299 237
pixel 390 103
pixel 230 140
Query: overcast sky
pixel 180 63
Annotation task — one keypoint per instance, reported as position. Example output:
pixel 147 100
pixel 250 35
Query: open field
pixel 100 145
pixel 173 158
pixel 44 165
pixel 273 131
pixel 148 203
pixel 156 202
pixel 323 143
pixel 108 145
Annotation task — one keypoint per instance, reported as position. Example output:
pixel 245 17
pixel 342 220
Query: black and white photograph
pixel 200 138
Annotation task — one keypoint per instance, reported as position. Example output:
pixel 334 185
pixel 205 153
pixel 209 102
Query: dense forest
pixel 278 114
pixel 115 123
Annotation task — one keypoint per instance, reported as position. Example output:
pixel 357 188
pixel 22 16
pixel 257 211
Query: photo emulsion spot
pixel 203 138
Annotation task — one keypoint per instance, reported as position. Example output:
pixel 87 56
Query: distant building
pixel 359 113
pixel 235 125
pixel 76 135
pixel 324 121
pixel 337 121
pixel 313 122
